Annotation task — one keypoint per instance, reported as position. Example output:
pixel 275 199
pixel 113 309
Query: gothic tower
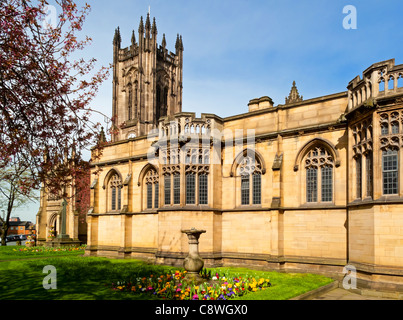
pixel 147 81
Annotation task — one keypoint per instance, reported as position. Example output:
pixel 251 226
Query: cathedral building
pixel 306 185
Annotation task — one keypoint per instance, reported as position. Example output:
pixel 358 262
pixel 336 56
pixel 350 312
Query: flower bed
pixel 50 250
pixel 30 242
pixel 172 286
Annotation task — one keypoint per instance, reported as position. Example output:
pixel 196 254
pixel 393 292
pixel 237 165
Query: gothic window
pixel 250 170
pixel 390 146
pixel 389 171
pixel 167 189
pixel 162 101
pixel 358 170
pixel 257 188
pixel 190 188
pixel 203 189
pixel 245 190
pixel 327 183
pixel 369 174
pixel 196 175
pixel 149 196
pixel 177 188
pixel 312 184
pixel 156 193
pixel 135 115
pixel 384 129
pixel 394 127
pixel 130 102
pixel 362 155
pixel 152 189
pixel 115 186
pixel 319 175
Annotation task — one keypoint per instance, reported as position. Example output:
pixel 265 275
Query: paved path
pixel 341 294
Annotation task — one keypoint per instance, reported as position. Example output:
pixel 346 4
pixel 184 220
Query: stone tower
pixel 147 81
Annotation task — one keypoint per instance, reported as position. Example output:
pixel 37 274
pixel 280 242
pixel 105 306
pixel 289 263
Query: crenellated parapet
pixel 379 80
pixel 186 124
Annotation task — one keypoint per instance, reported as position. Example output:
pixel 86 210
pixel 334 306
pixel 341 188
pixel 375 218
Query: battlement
pixel 379 80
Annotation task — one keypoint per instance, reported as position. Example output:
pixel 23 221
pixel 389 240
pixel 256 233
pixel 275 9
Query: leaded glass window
pixel 130 103
pixel 167 189
pixel 369 171
pixel 312 184
pixel 389 171
pixel 319 175
pixel 203 189
pixel 156 194
pixel 327 183
pixel 384 129
pixel 115 185
pixel 152 189
pixel 358 182
pixel 190 188
pixel 250 170
pixel 177 189
pixel 395 127
pixel 245 190
pixel 257 188
pixel 149 196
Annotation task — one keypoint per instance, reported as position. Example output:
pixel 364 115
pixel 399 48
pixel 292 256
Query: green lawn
pixel 90 278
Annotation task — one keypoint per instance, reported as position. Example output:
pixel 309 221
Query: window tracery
pixel 319 165
pixel 250 170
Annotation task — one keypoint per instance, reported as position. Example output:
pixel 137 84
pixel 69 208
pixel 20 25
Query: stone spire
pixel 294 95
pixel 102 137
pixel 117 39
pixel 163 43
pixel 178 44
pixel 148 25
pixel 154 28
pixel 141 27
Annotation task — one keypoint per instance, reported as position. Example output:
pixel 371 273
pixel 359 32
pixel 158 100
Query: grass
pixel 90 278
pixel 23 252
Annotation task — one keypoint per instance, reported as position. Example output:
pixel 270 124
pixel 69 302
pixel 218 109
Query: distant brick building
pixel 20 227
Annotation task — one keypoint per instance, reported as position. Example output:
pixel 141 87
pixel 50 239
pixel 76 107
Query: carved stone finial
pixel 102 137
pixel 154 28
pixel 141 26
pixel 148 23
pixel 117 39
pixel 294 95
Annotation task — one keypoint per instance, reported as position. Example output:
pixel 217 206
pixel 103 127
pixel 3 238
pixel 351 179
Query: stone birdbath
pixel 193 263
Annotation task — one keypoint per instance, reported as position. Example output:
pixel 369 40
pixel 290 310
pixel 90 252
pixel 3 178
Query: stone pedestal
pixel 193 263
pixel 63 241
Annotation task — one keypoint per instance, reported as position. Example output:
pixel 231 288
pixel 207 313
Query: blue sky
pixel 236 50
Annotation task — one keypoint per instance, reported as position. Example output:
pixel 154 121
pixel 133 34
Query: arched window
pixel 115 187
pixel 190 188
pixel 152 189
pixel 250 170
pixel 319 175
pixel 130 103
